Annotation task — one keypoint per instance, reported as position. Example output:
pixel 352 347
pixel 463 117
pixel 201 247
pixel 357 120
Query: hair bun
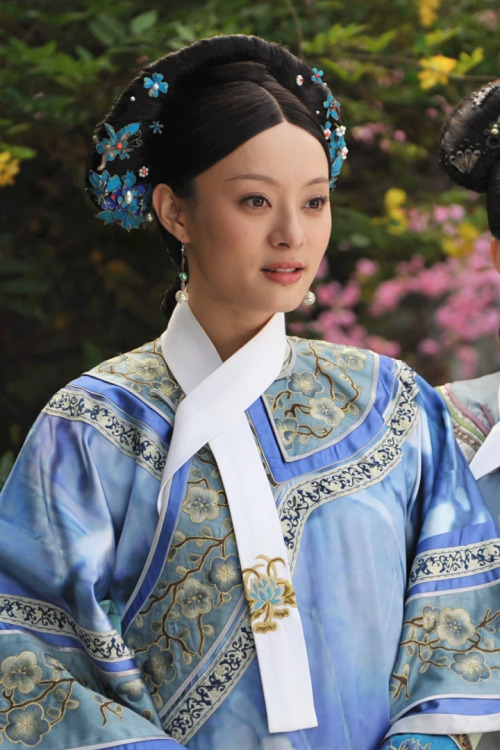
pixel 469 144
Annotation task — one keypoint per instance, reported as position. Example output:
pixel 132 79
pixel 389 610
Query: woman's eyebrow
pixel 271 181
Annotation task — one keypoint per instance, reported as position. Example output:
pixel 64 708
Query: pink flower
pixel 400 136
pixel 366 268
pixel 430 347
pixel 456 212
pixel 383 346
pixel 417 221
pixel 387 296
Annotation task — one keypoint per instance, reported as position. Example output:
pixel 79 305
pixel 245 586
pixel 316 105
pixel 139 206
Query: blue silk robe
pixel 115 632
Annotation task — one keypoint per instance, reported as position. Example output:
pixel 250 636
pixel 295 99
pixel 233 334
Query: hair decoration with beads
pixel 134 131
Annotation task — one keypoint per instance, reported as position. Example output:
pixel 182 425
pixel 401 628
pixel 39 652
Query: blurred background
pixel 407 271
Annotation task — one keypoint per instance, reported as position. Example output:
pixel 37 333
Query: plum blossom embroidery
pixel 27 725
pixel 194 599
pixel 472 666
pixel 269 596
pixel 318 397
pixel 305 383
pixel 327 411
pixel 133 689
pixel 224 573
pixel 21 672
pixel 148 369
pixel 429 617
pixel 455 626
pixel 159 666
pixel 201 504
pixel 287 429
pixel 446 638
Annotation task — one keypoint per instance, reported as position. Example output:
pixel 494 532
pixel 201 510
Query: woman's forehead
pixel 279 153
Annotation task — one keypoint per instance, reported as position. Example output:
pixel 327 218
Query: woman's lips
pixel 283 273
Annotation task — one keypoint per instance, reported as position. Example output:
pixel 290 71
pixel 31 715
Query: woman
pixel 470 155
pixel 209 538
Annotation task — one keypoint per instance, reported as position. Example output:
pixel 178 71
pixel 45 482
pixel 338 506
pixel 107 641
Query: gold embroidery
pixel 462 741
pixel 268 596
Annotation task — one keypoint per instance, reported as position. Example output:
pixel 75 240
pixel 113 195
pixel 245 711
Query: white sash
pixel 213 412
pixel 488 456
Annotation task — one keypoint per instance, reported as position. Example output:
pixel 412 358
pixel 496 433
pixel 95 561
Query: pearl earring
pixel 309 298
pixel 182 295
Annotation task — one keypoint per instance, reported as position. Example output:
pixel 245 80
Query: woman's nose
pixel 287 231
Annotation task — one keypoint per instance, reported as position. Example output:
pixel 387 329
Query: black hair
pixel 222 91
pixel 469 148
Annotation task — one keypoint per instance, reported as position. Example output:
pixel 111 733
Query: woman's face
pixel 257 227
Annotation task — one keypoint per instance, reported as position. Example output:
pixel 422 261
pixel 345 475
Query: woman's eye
pixel 316 203
pixel 255 201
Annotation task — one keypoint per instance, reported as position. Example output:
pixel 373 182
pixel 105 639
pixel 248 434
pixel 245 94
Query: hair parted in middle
pixel 188 110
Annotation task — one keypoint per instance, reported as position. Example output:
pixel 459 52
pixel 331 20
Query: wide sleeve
pixel 446 676
pixel 68 679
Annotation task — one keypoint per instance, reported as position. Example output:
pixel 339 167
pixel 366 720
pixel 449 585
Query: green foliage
pixel 73 292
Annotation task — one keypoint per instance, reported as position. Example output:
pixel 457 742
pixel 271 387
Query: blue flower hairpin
pixel 332 107
pixel 156 85
pixel 118 144
pixel 157 127
pixel 123 200
pixel 317 76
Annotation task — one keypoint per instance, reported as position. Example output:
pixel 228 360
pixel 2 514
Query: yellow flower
pixel 464 243
pixel 468 231
pixel 435 70
pixel 393 200
pixel 9 167
pixel 427 11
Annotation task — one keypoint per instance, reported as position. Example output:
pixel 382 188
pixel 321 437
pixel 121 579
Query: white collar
pixel 213 411
pixel 487 458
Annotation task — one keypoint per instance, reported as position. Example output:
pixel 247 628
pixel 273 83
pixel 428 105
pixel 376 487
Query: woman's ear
pixel 495 252
pixel 169 209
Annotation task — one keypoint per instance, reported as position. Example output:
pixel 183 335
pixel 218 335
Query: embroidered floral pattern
pixel 37 694
pixel 144 371
pixel 20 672
pixel 472 667
pixel 445 638
pixel 318 405
pixel 27 725
pixel 198 590
pixel 194 599
pixel 269 596
pixel 454 626
pixel 201 504
pixel 225 573
pixel 159 665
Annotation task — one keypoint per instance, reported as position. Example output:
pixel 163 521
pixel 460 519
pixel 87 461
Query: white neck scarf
pixel 213 412
pixel 488 456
